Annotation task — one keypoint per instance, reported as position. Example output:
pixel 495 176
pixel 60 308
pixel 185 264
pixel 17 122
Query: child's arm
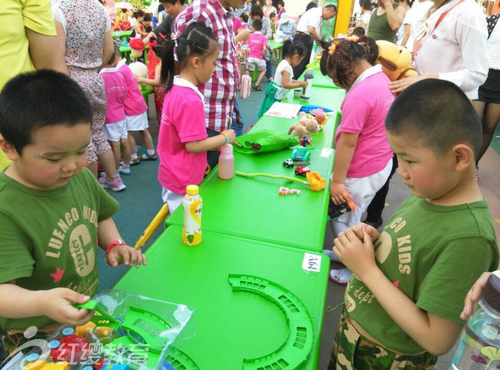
pixel 151 81
pixel 285 81
pixel 107 233
pixel 18 303
pixel 211 142
pixel 343 157
pixel 435 334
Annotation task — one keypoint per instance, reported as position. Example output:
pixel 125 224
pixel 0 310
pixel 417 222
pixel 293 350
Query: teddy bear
pixel 395 60
pixel 305 127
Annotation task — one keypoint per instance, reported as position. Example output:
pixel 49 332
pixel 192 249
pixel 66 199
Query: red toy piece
pixel 73 348
pixel 301 171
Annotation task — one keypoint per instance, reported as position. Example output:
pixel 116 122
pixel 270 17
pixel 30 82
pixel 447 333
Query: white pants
pixel 362 191
pixel 173 200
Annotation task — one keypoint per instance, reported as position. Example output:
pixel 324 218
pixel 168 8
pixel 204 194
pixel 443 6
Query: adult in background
pixel 28 41
pixel 165 29
pixel 488 103
pixel 386 20
pixel 88 45
pixel 308 31
pixel 220 90
pixel 366 12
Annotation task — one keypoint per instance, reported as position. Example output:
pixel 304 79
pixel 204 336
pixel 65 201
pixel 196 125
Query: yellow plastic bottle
pixel 192 203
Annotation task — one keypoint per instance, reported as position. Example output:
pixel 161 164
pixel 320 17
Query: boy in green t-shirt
pixel 403 303
pixel 53 212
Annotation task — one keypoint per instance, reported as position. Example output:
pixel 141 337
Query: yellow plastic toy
pixel 84 329
pixel 395 60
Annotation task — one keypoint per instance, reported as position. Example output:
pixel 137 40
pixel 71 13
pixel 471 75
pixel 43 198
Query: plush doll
pixel 305 127
pixel 136 48
pixel 139 70
pixel 395 60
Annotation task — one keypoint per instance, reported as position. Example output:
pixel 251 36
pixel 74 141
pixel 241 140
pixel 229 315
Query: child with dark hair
pixel 403 303
pixel 139 29
pixel 257 45
pixel 146 22
pixel 293 53
pixel 45 120
pixel 116 122
pixel 363 158
pixel 183 141
pixel 358 31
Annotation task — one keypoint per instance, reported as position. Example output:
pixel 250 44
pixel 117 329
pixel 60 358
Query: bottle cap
pixel 226 148
pixel 192 189
pixel 491 292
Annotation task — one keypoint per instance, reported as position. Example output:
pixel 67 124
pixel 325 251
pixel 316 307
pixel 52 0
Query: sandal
pixel 257 87
pixel 340 277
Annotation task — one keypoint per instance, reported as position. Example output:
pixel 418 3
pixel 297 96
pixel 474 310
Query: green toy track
pixel 179 360
pixel 293 352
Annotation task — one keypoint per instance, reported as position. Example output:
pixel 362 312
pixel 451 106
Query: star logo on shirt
pixel 58 275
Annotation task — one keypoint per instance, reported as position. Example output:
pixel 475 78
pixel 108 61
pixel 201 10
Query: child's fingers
pixel 74 297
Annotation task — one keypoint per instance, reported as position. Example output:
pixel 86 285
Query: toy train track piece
pixel 293 352
pixel 179 360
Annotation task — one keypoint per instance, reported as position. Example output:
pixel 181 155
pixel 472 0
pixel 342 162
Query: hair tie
pixel 352 38
pixel 332 48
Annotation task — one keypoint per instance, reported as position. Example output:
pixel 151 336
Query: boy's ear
pixel 8 149
pixel 464 156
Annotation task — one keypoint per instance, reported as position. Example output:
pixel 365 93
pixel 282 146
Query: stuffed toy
pixel 395 60
pixel 307 126
pixel 136 48
pixel 139 70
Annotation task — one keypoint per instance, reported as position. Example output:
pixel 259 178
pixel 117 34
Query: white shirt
pixel 419 12
pixel 494 48
pixel 311 18
pixel 283 66
pixel 454 49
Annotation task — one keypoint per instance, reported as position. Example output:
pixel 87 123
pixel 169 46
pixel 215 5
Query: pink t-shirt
pixel 363 112
pixel 182 121
pixel 256 42
pixel 116 91
pixel 134 101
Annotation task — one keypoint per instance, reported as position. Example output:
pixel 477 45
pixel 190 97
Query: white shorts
pixel 256 62
pixel 138 122
pixel 362 191
pixel 116 131
pixel 173 200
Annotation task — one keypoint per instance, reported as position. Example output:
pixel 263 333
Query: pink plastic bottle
pixel 226 162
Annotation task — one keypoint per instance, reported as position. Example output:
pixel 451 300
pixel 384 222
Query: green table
pixel 325 97
pixel 322 81
pixel 125 51
pixel 122 35
pixel 276 45
pixel 230 325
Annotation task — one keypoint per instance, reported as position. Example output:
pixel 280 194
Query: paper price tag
pixel 326 152
pixel 311 262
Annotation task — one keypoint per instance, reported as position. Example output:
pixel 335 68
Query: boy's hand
pixel 361 229
pixel 357 254
pixel 58 305
pixel 473 295
pixel 125 254
pixel 231 135
pixel 337 192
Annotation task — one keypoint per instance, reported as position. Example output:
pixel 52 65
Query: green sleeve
pixel 37 16
pixel 16 260
pixel 456 269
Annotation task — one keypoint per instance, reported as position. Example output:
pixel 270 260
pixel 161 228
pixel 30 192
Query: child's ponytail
pixel 167 64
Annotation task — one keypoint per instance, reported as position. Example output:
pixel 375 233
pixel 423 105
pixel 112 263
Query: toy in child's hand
pixel 395 60
pixel 139 70
pixel 335 211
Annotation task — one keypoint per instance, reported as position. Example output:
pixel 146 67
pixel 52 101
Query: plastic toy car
pixel 301 154
pixel 301 171
pixel 288 163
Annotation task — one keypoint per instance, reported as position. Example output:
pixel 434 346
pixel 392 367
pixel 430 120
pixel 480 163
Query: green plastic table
pixel 125 51
pixel 276 45
pixel 325 97
pixel 322 81
pixel 251 300
pixel 123 35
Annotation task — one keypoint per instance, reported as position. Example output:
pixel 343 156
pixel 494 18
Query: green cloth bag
pixel 264 141
pixel 274 93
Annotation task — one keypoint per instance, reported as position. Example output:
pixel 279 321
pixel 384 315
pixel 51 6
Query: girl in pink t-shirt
pixel 183 140
pixel 363 157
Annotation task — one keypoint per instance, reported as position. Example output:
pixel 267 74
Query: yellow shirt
pixel 15 16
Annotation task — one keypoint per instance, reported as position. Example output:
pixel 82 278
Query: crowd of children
pixel 404 301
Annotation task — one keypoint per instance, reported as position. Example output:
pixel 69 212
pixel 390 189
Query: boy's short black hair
pixel 437 113
pixel 257 25
pixel 34 100
pixel 272 15
pixel 147 17
pixel 358 31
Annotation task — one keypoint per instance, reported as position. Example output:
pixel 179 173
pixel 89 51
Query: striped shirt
pixel 220 90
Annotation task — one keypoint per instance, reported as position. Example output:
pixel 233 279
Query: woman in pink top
pixel 183 140
pixel 363 157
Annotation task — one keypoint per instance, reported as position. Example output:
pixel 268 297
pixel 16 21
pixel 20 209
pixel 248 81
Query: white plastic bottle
pixel 226 162
pixel 306 92
pixel 192 203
